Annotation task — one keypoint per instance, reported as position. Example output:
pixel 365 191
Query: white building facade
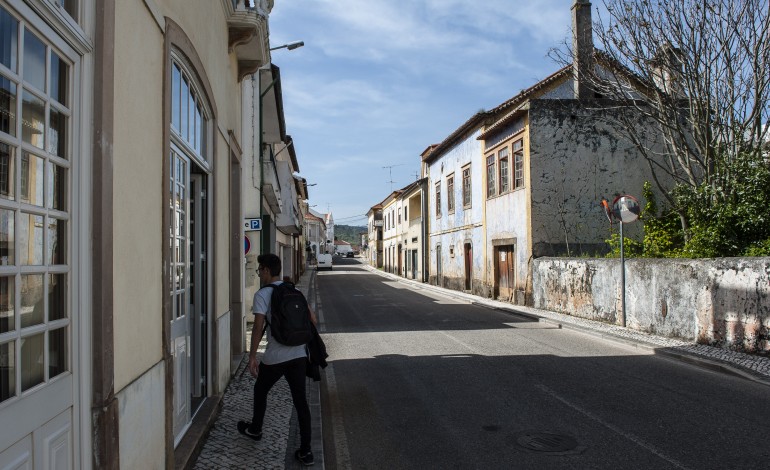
pixel 456 209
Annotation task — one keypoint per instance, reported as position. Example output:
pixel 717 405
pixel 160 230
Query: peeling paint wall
pixel 507 219
pixel 721 302
pixel 574 156
pixel 577 156
pixel 464 225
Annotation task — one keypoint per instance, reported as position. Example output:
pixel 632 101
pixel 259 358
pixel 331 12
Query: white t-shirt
pixel 275 352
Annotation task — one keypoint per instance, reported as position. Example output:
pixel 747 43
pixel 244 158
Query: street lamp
pixel 290 46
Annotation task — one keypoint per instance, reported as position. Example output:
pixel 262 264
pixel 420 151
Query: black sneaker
pixel 306 458
pixel 244 428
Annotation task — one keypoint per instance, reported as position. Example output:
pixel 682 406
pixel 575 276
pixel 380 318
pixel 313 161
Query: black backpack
pixel 290 315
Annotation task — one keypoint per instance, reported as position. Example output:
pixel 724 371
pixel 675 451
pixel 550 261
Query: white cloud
pixel 380 80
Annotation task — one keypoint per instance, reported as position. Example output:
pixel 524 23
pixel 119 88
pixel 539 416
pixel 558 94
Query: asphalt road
pixel 418 380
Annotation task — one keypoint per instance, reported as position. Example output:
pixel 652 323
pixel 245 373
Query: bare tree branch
pixel 699 71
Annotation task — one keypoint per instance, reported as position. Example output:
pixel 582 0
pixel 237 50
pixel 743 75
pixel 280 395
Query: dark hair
pixel 271 262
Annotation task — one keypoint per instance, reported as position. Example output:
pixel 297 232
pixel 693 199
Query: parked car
pixel 324 261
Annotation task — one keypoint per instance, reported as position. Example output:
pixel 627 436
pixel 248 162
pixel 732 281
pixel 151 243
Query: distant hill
pixel 349 233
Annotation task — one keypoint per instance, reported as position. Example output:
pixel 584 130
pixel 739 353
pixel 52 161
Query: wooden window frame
pixel 491 162
pixel 467 184
pixel 518 164
pixel 504 180
pixel 450 193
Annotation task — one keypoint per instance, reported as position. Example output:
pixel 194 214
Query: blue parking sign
pixel 253 224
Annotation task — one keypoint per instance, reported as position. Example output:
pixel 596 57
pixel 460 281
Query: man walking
pixel 278 361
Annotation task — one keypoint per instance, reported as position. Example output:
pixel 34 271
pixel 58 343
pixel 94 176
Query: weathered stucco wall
pixel 722 302
pixel 464 225
pixel 507 219
pixel 577 156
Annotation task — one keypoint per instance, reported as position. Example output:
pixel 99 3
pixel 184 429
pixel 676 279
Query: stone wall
pixel 723 302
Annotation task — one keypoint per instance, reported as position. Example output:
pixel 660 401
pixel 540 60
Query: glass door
pixel 179 208
pixel 198 288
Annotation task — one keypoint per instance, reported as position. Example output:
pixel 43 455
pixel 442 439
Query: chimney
pixel 667 70
pixel 582 49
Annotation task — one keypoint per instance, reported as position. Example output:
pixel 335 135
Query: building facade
pixel 391 247
pixel 413 204
pixel 122 223
pixel 551 153
pixel 315 236
pixel 374 253
pixel 455 209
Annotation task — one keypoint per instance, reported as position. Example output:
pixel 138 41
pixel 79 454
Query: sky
pixel 378 81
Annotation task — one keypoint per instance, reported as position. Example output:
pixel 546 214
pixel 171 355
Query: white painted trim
pixel 81 255
pixel 65 26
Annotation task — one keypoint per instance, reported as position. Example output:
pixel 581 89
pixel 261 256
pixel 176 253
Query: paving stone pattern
pixel 226 448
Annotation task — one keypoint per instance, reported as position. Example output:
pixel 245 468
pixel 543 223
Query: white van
pixel 324 262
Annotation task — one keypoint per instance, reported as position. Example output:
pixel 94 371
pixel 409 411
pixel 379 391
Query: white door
pixel 180 288
pixel 39 240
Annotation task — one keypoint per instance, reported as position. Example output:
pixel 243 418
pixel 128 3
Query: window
pixel 70 6
pixel 467 186
pixel 438 199
pixel 35 318
pixel 491 176
pixel 450 193
pixel 188 120
pixel 502 157
pixel 399 216
pixel 518 164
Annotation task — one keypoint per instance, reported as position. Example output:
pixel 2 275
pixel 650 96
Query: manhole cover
pixel 546 442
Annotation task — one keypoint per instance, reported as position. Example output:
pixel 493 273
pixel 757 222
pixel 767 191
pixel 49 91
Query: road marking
pixel 341 452
pixel 635 439
pixel 342 455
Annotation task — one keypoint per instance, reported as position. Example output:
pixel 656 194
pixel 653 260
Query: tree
pixel 699 72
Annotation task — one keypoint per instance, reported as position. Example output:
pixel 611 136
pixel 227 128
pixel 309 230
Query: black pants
pixel 268 375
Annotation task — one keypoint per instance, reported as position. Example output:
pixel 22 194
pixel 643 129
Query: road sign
pixel 252 224
pixel 246 245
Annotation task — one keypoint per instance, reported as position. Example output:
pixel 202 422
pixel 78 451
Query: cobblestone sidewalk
pixel 226 448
